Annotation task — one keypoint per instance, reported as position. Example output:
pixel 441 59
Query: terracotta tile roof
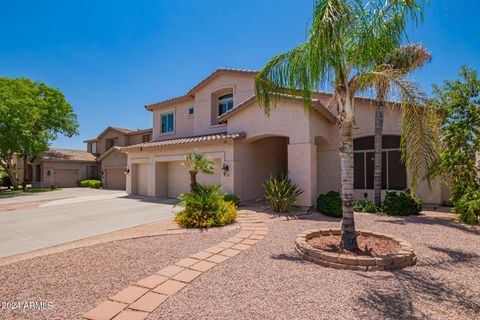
pixel 211 137
pixel 67 155
pixel 217 72
pixel 190 93
pixel 316 105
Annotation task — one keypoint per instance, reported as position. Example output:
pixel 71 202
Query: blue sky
pixel 110 58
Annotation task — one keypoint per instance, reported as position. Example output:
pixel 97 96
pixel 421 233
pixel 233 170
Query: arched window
pixel 225 103
pixel 394 174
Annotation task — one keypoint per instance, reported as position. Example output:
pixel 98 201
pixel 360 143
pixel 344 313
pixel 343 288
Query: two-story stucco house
pixel 112 162
pixel 221 117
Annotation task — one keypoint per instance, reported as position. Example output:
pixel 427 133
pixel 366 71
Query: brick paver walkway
pixel 138 300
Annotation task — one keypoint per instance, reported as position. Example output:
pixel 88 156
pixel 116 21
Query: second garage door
pixel 179 178
pixel 115 179
pixel 66 178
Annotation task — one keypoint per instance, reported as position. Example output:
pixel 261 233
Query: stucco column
pixel 302 170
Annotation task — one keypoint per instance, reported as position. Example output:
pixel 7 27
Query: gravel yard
pixel 77 280
pixel 268 281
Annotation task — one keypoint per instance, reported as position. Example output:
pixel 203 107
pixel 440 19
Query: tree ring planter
pixel 403 258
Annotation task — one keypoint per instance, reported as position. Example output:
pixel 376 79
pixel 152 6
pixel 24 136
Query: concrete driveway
pixel 72 214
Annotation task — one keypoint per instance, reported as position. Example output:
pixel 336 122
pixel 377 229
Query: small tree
pixel 388 79
pixel 32 114
pixel 196 162
pixel 345 39
pixel 459 105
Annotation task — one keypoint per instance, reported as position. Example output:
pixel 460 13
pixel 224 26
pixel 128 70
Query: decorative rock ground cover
pixel 403 258
pixel 140 299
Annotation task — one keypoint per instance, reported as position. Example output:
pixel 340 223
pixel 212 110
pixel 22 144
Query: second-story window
pixel 146 138
pixel 167 122
pixel 109 143
pixel 190 113
pixel 225 103
pixel 94 148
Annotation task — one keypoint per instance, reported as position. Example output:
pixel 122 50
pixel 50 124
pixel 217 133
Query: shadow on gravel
pixel 414 287
pixel 426 220
pixel 289 257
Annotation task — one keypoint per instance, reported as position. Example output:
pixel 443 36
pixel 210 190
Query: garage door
pixel 65 178
pixel 179 179
pixel 142 179
pixel 115 179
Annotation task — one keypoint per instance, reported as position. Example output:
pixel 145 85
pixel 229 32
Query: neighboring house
pixel 113 162
pixel 221 117
pixel 61 168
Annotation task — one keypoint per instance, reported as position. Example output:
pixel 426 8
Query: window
pixel 191 111
pixel 109 143
pixel 394 173
pixel 225 103
pixel 94 148
pixel 146 138
pixel 167 122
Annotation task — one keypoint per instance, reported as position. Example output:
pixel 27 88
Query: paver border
pixel 180 274
pixel 404 258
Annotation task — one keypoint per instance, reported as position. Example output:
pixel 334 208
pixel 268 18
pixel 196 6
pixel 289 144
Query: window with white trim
pixel 394 173
pixel 167 122
pixel 225 103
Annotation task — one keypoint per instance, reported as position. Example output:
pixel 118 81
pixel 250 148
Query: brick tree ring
pixel 140 299
pixel 403 258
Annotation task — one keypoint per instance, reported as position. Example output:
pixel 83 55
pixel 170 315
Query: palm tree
pixel 398 64
pixel 344 40
pixel 196 162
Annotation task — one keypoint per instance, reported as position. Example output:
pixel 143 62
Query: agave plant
pixel 281 193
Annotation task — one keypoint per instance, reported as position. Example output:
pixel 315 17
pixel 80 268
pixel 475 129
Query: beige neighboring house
pixel 112 162
pixel 221 117
pixel 61 168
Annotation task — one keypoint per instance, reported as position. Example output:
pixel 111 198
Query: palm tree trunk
pixel 349 235
pixel 193 180
pixel 377 169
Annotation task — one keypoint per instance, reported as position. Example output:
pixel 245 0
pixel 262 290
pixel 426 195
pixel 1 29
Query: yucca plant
pixel 281 193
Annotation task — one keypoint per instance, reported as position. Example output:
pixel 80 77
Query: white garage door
pixel 115 179
pixel 179 178
pixel 142 179
pixel 65 178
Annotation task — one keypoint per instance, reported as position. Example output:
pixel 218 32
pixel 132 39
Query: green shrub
pixel 231 198
pixel 205 207
pixel 365 206
pixel 330 204
pixel 5 180
pixel 401 203
pixel 468 206
pixel 94 184
pixel 281 193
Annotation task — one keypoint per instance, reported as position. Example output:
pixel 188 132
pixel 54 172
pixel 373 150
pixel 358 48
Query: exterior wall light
pixel 126 171
pixel 49 173
pixel 225 169
pixel 102 172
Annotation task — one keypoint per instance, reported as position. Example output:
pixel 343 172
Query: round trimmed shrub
pixel 94 184
pixel 401 203
pixel 330 204
pixel 205 207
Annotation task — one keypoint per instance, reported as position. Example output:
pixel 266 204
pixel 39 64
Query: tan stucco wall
pixel 183 124
pixel 254 163
pixel 201 122
pixel 122 140
pixel 221 151
pixel 114 160
pixel 48 180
